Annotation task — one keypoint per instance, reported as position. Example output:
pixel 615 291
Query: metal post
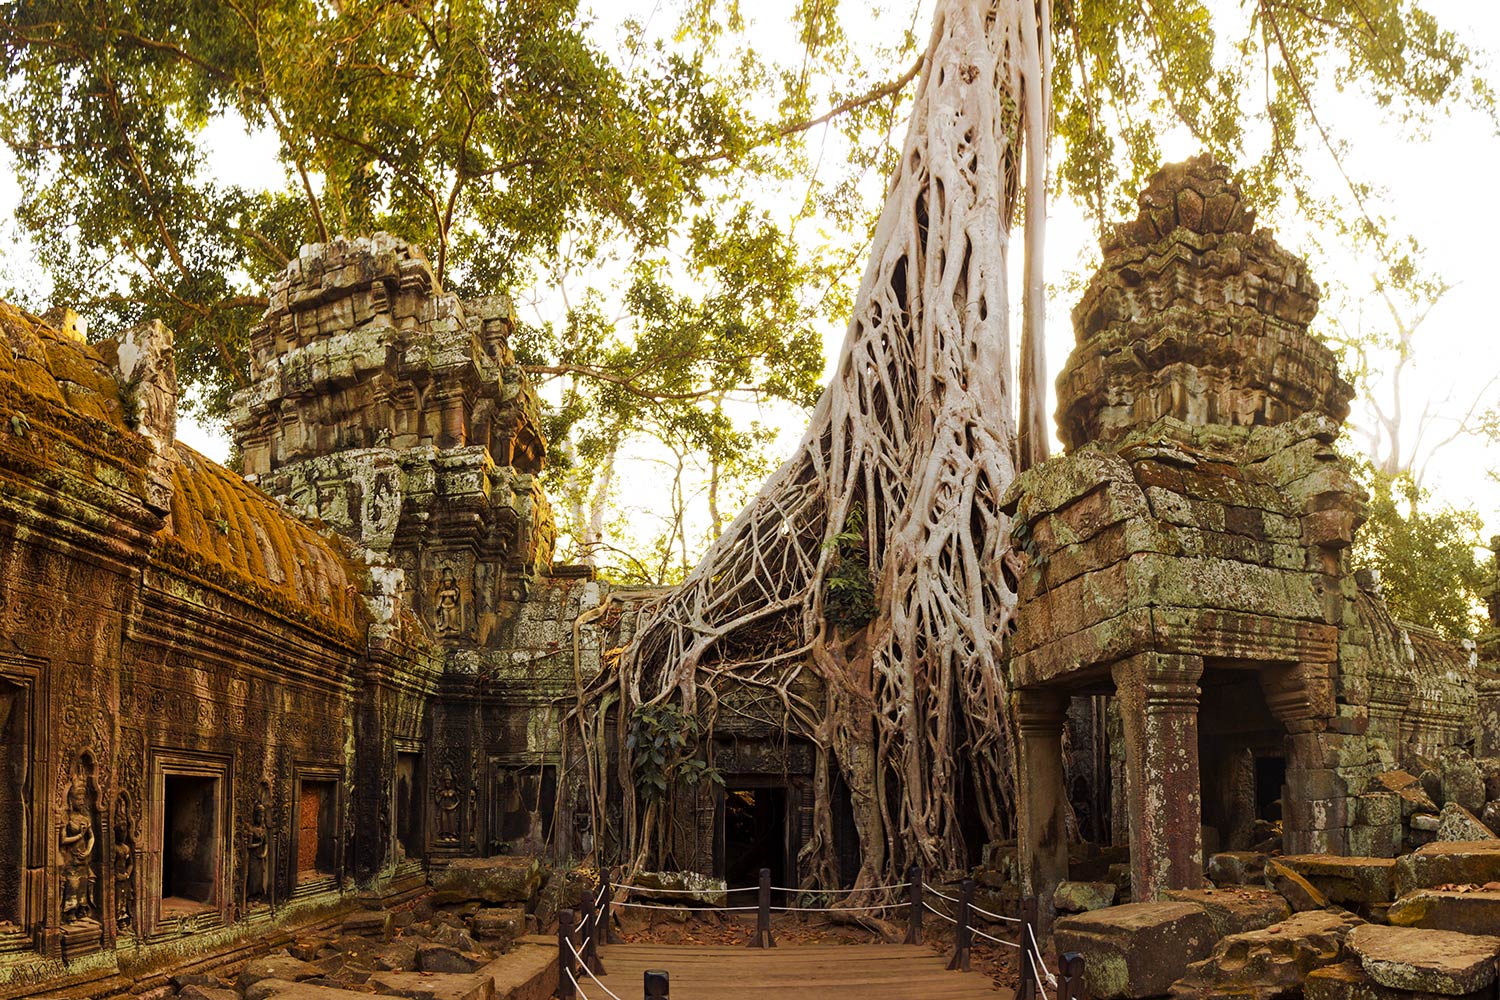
pixel 914 905
pixel 565 988
pixel 658 984
pixel 1030 966
pixel 763 937
pixel 591 959
pixel 962 939
pixel 1070 977
pixel 601 930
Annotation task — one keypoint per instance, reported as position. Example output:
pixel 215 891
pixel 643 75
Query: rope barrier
pixel 940 913
pixel 584 966
pixel 994 916
pixel 692 892
pixel 836 909
pixel 577 988
pixel 1041 987
pixel 1036 950
pixel 939 895
pixel 815 892
pixel 991 937
pixel 658 906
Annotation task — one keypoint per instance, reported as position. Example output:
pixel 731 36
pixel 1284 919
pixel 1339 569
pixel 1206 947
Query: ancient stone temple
pixel 1188 567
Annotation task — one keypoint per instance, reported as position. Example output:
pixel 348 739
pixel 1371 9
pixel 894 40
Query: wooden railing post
pixel 962 938
pixel 763 937
pixel 658 984
pixel 565 989
pixel 1030 960
pixel 914 905
pixel 606 900
pixel 591 959
pixel 1070 977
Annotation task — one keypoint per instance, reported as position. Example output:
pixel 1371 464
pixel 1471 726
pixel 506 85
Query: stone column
pixel 1042 795
pixel 1158 696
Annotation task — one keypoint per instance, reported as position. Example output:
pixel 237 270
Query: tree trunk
pixel 916 429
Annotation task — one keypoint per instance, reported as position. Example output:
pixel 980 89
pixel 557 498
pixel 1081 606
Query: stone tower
pixel 1188 558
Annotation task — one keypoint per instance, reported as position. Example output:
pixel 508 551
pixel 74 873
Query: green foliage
pixel 850 601
pixel 1425 553
pixel 664 740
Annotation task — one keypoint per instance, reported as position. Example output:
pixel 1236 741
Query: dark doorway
pixel 1270 775
pixel 409 805
pixel 13 751
pixel 190 855
pixel 522 806
pixel 754 835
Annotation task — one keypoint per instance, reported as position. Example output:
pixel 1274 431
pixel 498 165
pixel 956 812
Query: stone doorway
pixel 317 830
pixel 1241 757
pixel 754 834
pixel 409 805
pixel 190 827
pixel 14 745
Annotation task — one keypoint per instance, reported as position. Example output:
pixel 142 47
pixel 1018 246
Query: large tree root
pixel 915 430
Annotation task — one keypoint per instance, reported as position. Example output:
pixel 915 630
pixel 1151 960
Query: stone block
pixel 195 992
pixel 1408 789
pixel 1138 949
pixel 1347 880
pixel 1268 963
pixel 433 957
pixel 1449 910
pixel 434 986
pixel 1349 981
pixel 369 923
pixel 276 966
pixel 1235 910
pixel 501 879
pixel 495 924
pixel 1411 958
pixel 1081 897
pixel 1237 868
pixel 1462 780
pixel 1299 893
pixel 1455 823
pixel 1448 863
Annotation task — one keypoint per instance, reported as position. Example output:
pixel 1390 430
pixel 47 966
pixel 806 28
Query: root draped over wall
pixel 916 431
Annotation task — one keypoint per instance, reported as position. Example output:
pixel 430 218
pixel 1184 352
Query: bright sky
pixel 1439 188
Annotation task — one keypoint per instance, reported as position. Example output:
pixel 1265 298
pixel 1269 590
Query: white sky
pixel 1442 189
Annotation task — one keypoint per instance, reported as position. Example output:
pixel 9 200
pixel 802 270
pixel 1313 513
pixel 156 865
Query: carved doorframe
pixel 30 675
pixel 318 771
pixel 172 762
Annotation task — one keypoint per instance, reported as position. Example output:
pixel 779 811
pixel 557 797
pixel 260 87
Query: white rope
pixel 577 988
pixel 816 892
pixel 658 906
pixel 588 972
pixel 991 937
pixel 1041 986
pixel 690 892
pixel 835 909
pixel 1036 950
pixel 995 916
pixel 939 913
pixel 939 895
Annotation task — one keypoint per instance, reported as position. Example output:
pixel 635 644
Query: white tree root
pixel 917 428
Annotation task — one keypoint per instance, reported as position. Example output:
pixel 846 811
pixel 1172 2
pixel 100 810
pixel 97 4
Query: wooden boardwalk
pixel 791 972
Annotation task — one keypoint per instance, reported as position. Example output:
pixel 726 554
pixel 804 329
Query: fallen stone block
pixel 1268 963
pixel 284 990
pixel 1412 958
pixel 434 986
pixel 435 957
pixel 1448 863
pixel 1237 868
pixel 1138 949
pixel 496 924
pixel 1449 910
pixel 1462 780
pixel 1406 786
pixel 1348 881
pixel 276 966
pixel 1349 981
pixel 1425 822
pixel 1236 910
pixel 1081 897
pixel 369 923
pixel 195 992
pixel 1455 823
pixel 500 879
pixel 527 973
pixel 680 887
pixel 1299 893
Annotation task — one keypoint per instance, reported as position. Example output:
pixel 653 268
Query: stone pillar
pixel 1158 696
pixel 1042 797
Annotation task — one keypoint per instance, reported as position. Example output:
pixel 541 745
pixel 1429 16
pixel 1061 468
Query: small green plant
pixel 19 425
pixel 664 739
pixel 850 601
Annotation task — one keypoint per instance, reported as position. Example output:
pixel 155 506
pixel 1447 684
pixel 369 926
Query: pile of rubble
pixel 1425 924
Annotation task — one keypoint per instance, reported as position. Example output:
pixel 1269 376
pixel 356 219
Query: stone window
pixel 189 835
pixel 315 843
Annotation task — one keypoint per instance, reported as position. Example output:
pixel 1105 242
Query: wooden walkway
pixel 791 972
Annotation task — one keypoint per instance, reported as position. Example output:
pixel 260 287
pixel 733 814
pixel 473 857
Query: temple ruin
pixel 233 703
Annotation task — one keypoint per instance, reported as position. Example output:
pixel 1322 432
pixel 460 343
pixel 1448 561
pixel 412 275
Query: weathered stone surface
pixel 372 923
pixel 1462 780
pixel 276 966
pixel 527 973
pixel 497 924
pixel 1299 893
pixel 1346 880
pixel 679 887
pixel 1456 823
pixel 1410 958
pixel 434 986
pixel 1138 949
pixel 1475 912
pixel 1448 863
pixel 1080 897
pixel 1237 868
pixel 1269 962
pixel 1349 981
pixel 435 957
pixel 1236 910
pixel 1409 789
pixel 197 992
pixel 501 879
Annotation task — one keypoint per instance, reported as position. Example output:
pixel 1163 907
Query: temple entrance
pixel 190 860
pixel 409 805
pixel 1241 754
pixel 754 835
